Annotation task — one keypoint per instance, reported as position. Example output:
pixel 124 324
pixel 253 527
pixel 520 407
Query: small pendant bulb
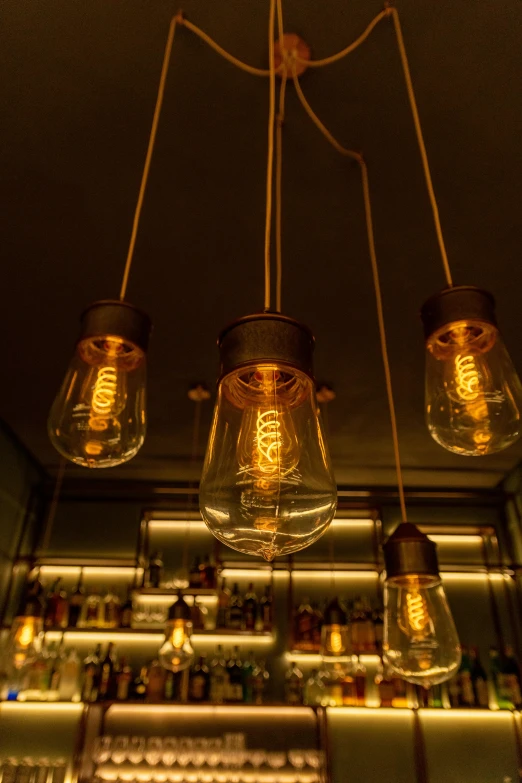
pixel 420 640
pixel 98 418
pixel 473 393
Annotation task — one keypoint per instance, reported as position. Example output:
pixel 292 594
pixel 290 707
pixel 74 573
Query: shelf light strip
pixel 367 659
pixel 156 637
pixel 113 571
pixel 455 539
pixel 194 709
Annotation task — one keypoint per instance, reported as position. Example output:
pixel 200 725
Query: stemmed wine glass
pixel 119 749
pixel 170 748
pixel 101 751
pixel 136 751
pixel 154 750
pixel 297 758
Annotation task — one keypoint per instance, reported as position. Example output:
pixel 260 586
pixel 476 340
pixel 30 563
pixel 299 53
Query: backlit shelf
pixel 368 659
pixel 148 635
pixel 173 591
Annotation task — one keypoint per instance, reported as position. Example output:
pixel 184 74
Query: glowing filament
pixel 417 611
pixel 468 381
pixel 268 441
pixel 104 394
pixel 178 634
pixel 26 634
pixel 336 642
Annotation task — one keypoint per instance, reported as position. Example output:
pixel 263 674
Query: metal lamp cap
pixel 334 614
pixel 266 337
pixel 409 551
pixel 459 303
pixel 121 319
pixel 180 610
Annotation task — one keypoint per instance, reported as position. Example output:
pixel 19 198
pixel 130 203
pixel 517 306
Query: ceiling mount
pixel 290 50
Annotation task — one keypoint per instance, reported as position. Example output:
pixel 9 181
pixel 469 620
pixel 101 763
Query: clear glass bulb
pixel 334 639
pixel 473 393
pixel 24 640
pixel 177 652
pixel 420 639
pixel 267 486
pixel 98 417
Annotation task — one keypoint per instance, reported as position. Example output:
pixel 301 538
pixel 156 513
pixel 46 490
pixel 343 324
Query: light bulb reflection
pixel 24 640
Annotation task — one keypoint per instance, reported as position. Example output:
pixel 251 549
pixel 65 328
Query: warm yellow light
pixel 414 618
pixel 222 709
pixel 463 715
pixel 27 632
pixel 42 707
pixel 327 575
pixel 369 712
pixel 470 577
pixel 455 539
pixel 316 658
pixel 177 526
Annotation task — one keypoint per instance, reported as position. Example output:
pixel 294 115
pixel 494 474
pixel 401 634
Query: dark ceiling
pixel 77 93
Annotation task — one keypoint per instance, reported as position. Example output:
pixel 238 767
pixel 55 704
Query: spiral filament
pixel 104 394
pixel 417 610
pixel 467 378
pixel 268 441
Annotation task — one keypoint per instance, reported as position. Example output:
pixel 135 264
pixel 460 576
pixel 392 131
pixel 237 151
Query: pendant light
pixel 98 418
pixel 23 643
pixel 176 653
pixel 420 643
pixel 267 486
pixel 473 393
pixel 334 631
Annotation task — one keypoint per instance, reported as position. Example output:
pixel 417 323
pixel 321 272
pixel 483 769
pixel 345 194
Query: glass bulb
pixel 420 640
pixel 24 640
pixel 334 639
pixel 473 393
pixel 267 486
pixel 176 652
pixel 98 417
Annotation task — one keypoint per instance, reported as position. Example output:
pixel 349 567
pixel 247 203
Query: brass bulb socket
pixel 459 303
pixel 117 319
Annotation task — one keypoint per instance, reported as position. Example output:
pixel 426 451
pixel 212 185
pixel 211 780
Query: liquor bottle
pixel 435 697
pixel 139 685
pixel 106 672
pixel 248 685
pixel 333 681
pixel 169 686
pixel 110 610
pixel 370 645
pixel 359 626
pixel 208 571
pixel 76 602
pixel 303 627
pixel 400 697
pixel 57 657
pixel 155 570
pixel 235 610
pixel 466 693
pixel 199 615
pixel 250 609
pixel 359 675
pixel 156 683
pixel 235 677
pixel 314 690
pixel 386 686
pixel 90 616
pixel 378 626
pixel 57 609
pixel 123 681
pixel 126 610
pixel 260 678
pixel 294 685
pixel 195 573
pixel 454 691
pixel 511 673
pixel 223 604
pixel 317 624
pixel 69 677
pixel 479 679
pixel 266 610
pixel 91 675
pixel 218 678
pixel 199 683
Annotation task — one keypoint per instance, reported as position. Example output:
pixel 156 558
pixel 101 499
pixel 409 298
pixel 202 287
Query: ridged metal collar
pixel 263 337
pixel 459 303
pixel 410 552
pixel 121 319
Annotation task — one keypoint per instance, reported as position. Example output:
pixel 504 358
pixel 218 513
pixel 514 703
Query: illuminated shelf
pixel 153 635
pixel 173 591
pixel 316 658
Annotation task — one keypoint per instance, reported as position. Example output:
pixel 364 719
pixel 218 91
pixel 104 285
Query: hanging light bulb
pixel 473 393
pixel 98 418
pixel 267 486
pixel 334 632
pixel 420 640
pixel 23 644
pixel 176 652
